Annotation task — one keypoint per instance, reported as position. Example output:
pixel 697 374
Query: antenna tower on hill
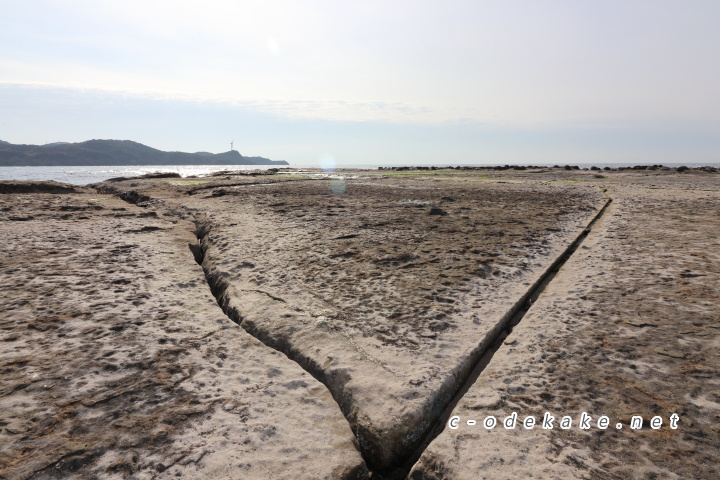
pixel 231 145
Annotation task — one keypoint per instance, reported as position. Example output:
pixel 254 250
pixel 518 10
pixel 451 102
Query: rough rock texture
pixel 12 186
pixel 388 287
pixel 116 361
pixel 628 327
pixel 387 303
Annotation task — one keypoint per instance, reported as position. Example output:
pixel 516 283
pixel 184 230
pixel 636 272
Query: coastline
pixel 93 174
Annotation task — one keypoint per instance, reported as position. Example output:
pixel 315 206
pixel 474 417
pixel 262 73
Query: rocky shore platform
pixel 362 324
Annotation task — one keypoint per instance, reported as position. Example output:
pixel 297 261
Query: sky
pixel 369 82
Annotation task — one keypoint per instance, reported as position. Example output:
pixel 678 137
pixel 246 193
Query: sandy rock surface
pixel 629 326
pixel 294 324
pixel 387 289
pixel 116 361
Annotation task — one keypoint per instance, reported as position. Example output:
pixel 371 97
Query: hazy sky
pixel 368 82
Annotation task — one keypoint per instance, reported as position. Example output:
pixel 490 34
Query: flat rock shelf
pixel 295 324
pixel 118 363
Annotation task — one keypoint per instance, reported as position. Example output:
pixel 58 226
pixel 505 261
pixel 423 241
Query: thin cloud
pixel 310 109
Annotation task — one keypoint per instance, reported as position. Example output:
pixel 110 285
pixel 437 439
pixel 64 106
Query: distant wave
pixel 86 175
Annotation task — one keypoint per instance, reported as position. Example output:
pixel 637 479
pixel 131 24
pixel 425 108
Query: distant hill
pixel 115 152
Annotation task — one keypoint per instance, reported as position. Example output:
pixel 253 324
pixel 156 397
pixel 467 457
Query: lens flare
pixel 337 185
pixel 327 163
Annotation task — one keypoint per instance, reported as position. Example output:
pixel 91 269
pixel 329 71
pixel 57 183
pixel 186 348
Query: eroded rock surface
pixel 628 327
pixel 29 186
pixel 385 286
pixel 116 361
pixel 368 287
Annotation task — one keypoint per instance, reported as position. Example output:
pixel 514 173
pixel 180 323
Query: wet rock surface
pixel 12 186
pixel 116 361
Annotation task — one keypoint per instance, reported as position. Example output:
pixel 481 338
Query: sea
pixel 86 175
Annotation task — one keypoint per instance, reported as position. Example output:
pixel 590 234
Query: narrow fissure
pixel 516 315
pixel 218 287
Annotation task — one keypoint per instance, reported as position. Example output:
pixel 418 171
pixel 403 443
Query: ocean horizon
pixel 84 175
